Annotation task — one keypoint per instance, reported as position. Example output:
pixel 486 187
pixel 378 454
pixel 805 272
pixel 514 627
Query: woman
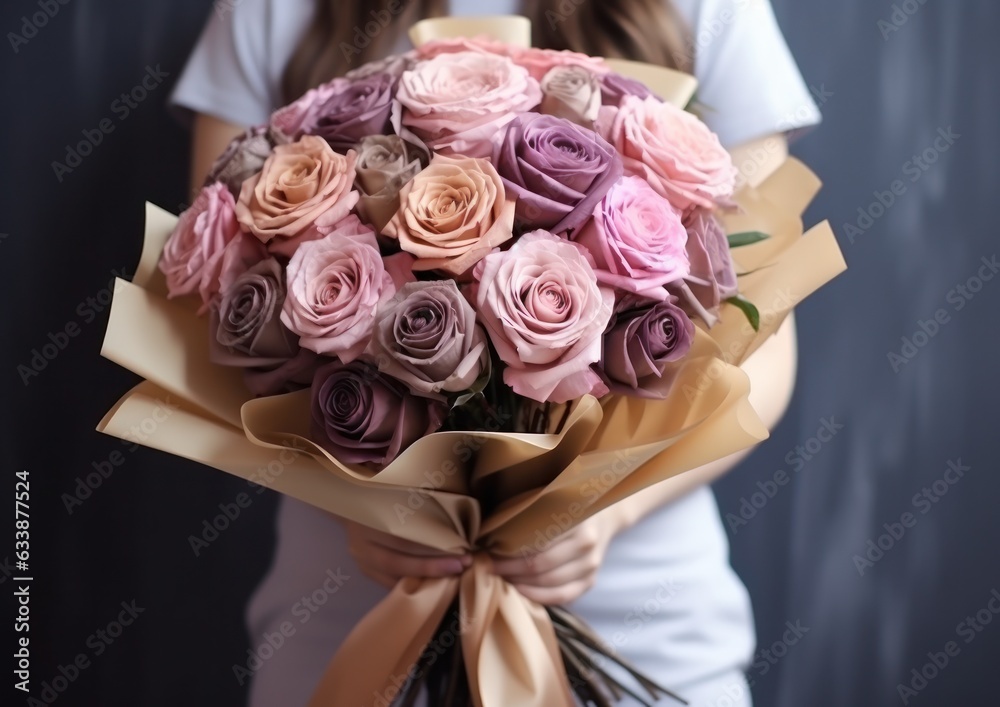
pixel 651 574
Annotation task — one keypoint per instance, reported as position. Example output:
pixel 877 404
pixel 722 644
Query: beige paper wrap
pixel 606 451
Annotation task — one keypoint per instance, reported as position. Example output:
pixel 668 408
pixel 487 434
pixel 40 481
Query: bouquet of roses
pixel 475 240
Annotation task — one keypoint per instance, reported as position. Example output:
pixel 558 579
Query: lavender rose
pixel 557 171
pixel 713 276
pixel 641 344
pixel 385 164
pixel 637 239
pixel 427 337
pixel 614 87
pixel 545 314
pixel 364 417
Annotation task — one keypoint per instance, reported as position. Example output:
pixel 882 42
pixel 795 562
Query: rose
pixel 573 93
pixel 641 344
pixel 713 276
pixel 249 332
pixel 545 313
pixel 453 45
pixel 192 256
pixel 393 65
pixel 289 123
pixel 557 170
pixel 343 113
pixel 452 214
pixel 334 286
pixel 385 164
pixel 539 62
pixel 298 182
pixel 243 158
pixel 459 103
pixel 637 239
pixel 427 337
pixel 671 149
pixel 614 87
pixel 364 417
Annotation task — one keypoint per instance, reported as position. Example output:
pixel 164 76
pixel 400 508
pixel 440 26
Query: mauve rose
pixel 393 65
pixel 427 337
pixel 671 149
pixel 545 313
pixel 385 164
pixel 614 87
pixel 637 239
pixel 298 183
pixel 242 159
pixel 713 276
pixel 572 93
pixel 192 256
pixel 347 111
pixel 459 103
pixel 289 122
pixel 539 62
pixel 557 171
pixel 335 285
pixel 452 214
pixel 362 416
pixel 640 345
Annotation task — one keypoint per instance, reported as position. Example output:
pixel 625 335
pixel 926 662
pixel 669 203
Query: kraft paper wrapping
pixel 606 451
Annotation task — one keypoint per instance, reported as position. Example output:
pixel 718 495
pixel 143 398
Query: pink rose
pixel 291 121
pixel 545 313
pixel 452 214
pixel 298 182
pixel 713 276
pixel 637 239
pixel 539 62
pixel 482 44
pixel 459 103
pixel 671 149
pixel 335 285
pixel 192 257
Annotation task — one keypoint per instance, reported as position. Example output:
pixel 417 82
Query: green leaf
pixel 746 238
pixel 748 309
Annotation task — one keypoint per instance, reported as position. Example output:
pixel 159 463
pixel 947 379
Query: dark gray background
pixel 887 98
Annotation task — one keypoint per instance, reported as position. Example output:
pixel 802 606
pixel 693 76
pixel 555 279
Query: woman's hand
pixel 563 570
pixel 386 558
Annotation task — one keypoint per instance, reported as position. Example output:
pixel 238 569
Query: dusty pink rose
pixel 459 103
pixel 243 158
pixel 572 93
pixel 299 182
pixel 671 149
pixel 452 214
pixel 289 122
pixel 482 44
pixel 545 313
pixel 362 416
pixel 539 62
pixel 637 239
pixel 192 256
pixel 335 285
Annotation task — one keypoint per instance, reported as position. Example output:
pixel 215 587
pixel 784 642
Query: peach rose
pixel 299 182
pixel 452 214
pixel 458 103
pixel 671 149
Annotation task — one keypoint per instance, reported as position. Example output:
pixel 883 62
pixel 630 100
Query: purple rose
pixel 614 87
pixel 713 276
pixel 249 333
pixel 341 112
pixel 427 337
pixel 637 239
pixel 243 158
pixel 557 170
pixel 364 417
pixel 641 344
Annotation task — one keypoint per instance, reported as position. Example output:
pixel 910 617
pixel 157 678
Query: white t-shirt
pixel 746 75
pixel 665 597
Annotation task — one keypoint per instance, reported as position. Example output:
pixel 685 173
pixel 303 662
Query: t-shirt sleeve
pixel 748 83
pixel 228 74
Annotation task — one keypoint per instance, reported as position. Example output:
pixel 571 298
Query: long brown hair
pixel 347 33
